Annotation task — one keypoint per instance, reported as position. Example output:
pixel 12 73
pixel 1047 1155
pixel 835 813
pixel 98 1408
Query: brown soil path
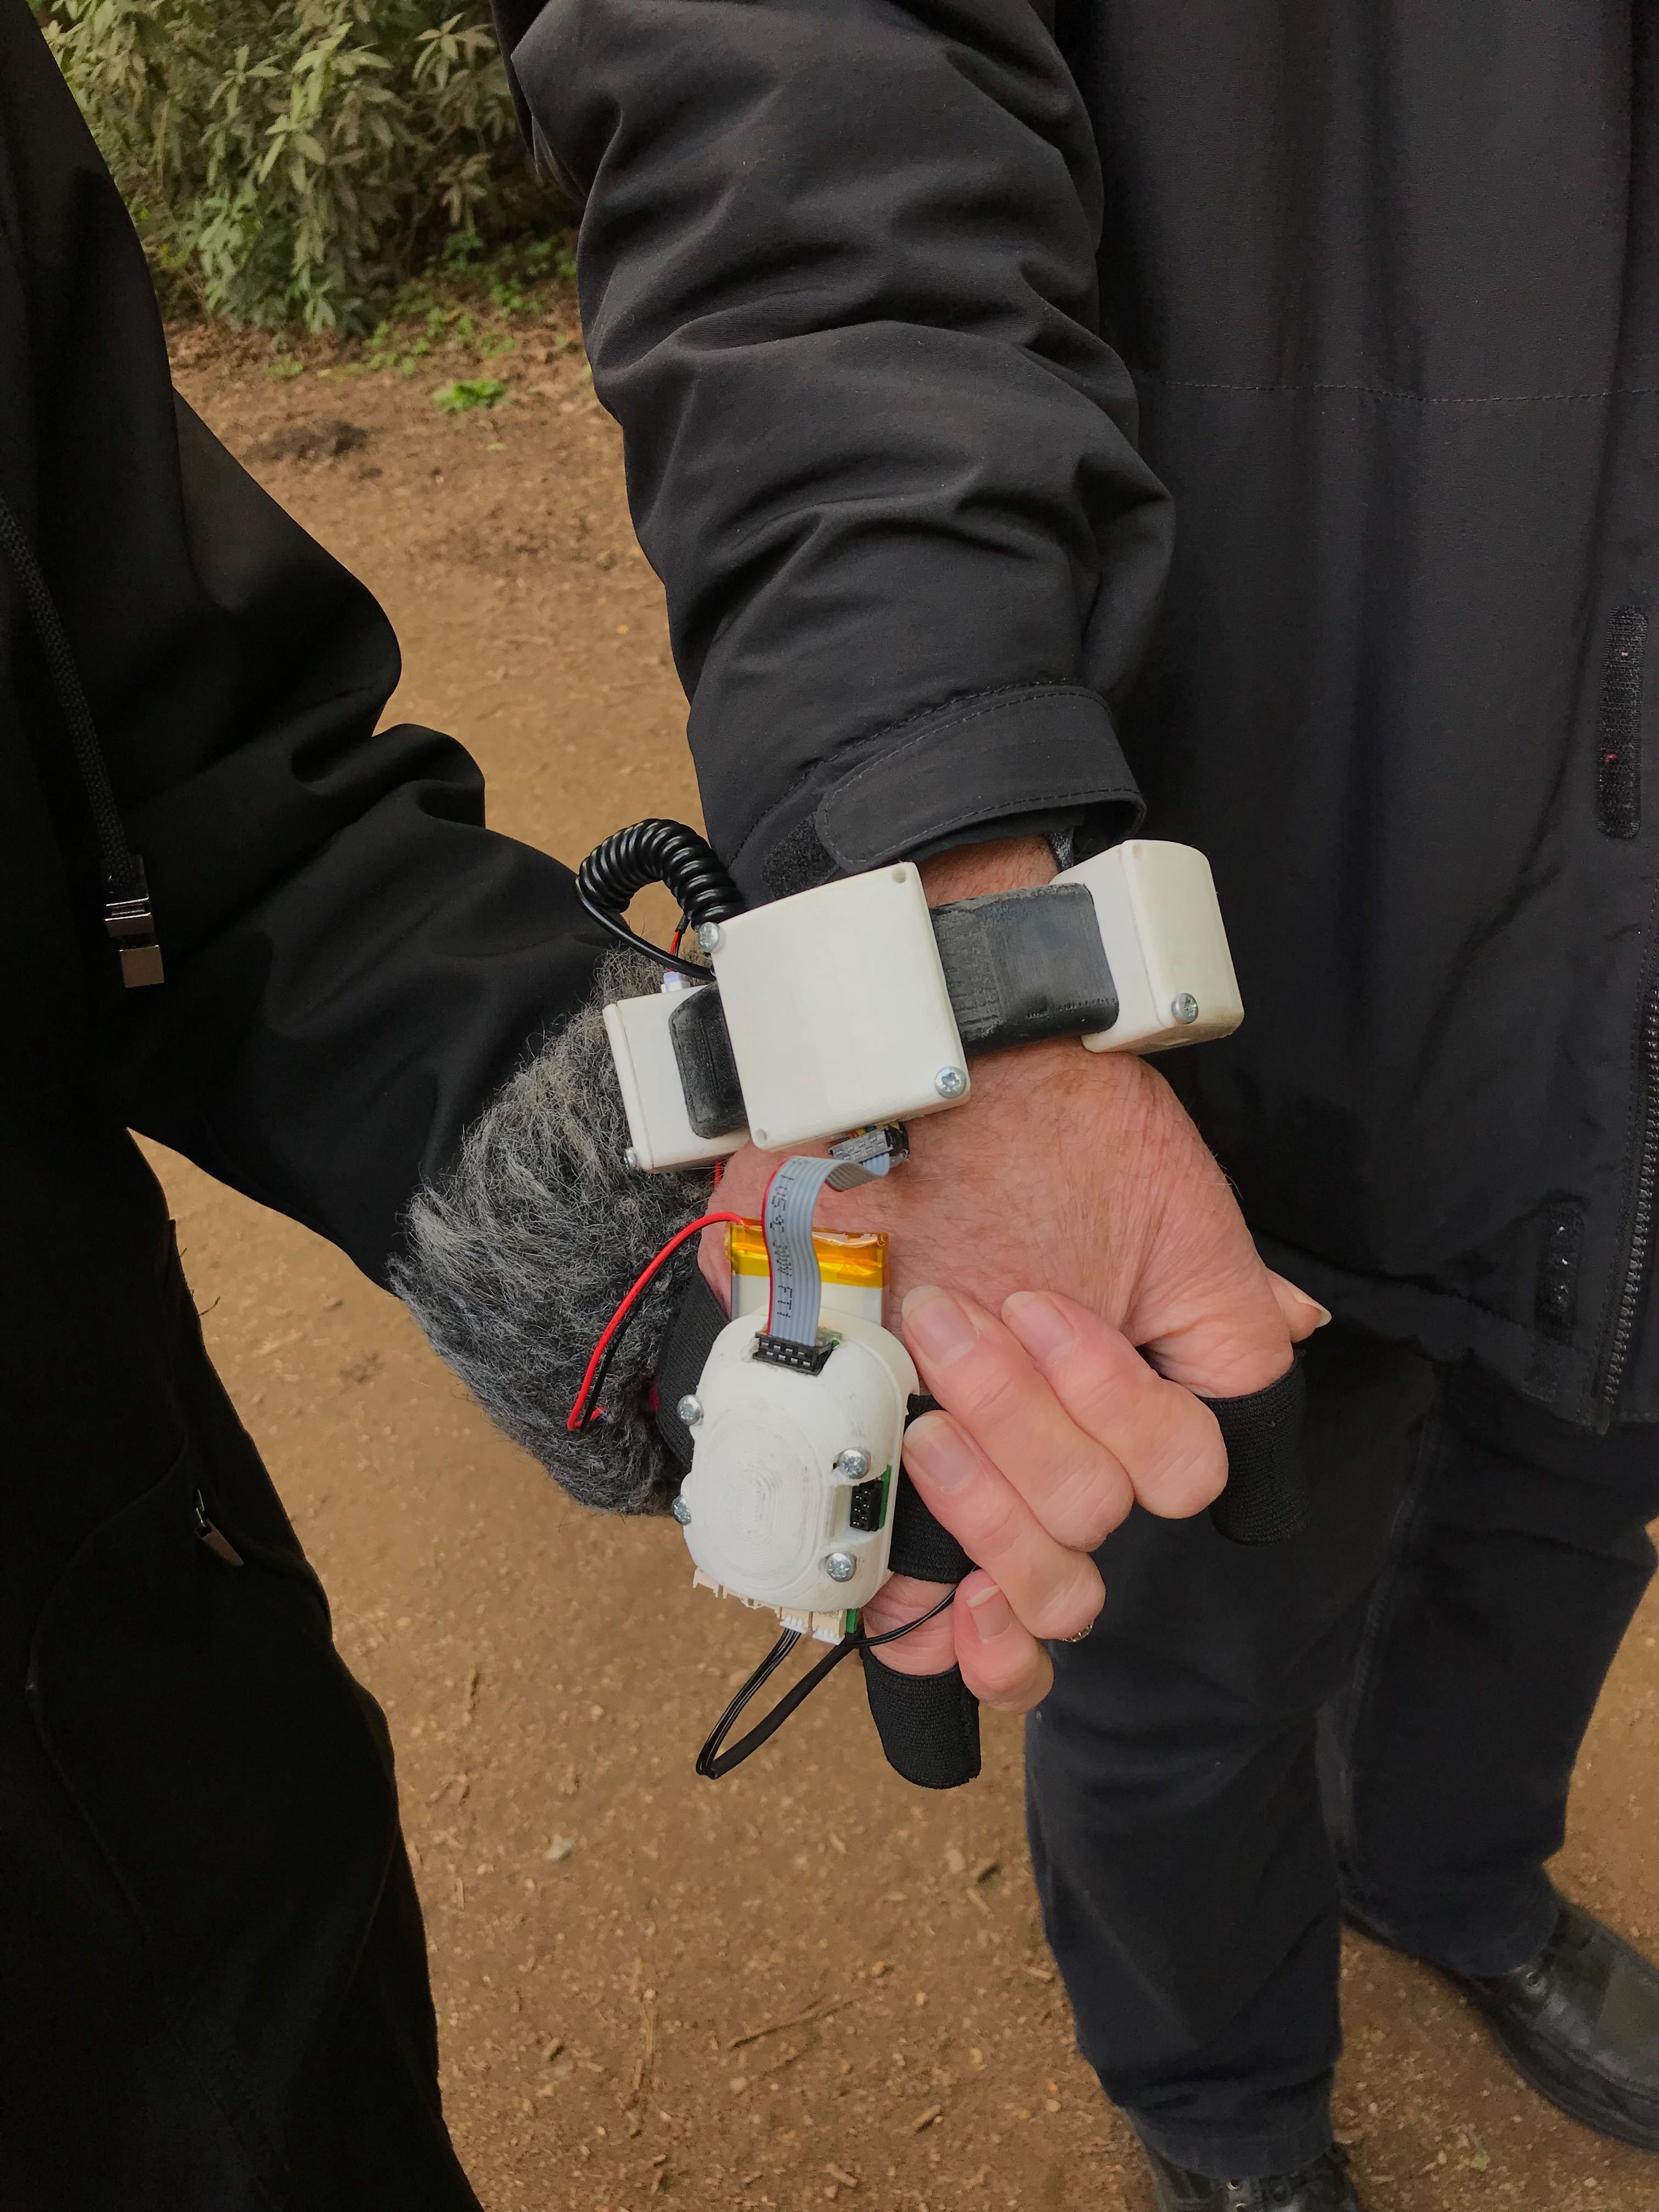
pixel 811 1983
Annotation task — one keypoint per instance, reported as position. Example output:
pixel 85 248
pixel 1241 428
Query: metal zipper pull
pixel 131 923
pixel 216 1539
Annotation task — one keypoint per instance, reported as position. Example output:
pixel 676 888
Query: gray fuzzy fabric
pixel 514 1264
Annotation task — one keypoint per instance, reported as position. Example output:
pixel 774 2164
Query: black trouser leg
pixel 1513 1574
pixel 1188 1884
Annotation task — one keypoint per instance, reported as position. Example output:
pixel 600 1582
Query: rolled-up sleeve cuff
pixel 994 762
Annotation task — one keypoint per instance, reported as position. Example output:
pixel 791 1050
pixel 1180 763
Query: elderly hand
pixel 1072 1196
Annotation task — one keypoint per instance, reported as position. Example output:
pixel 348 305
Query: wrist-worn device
pixel 856 1004
pixel 837 1016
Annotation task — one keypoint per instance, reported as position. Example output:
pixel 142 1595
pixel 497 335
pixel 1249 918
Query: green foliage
pixel 293 159
pixel 469 392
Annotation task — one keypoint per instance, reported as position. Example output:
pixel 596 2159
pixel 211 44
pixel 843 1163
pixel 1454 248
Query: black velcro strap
pixel 920 1546
pixel 687 1342
pixel 702 1053
pixel 928 1724
pixel 1024 965
pixel 1266 1499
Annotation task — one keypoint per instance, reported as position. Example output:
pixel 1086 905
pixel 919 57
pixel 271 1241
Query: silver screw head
pixel 708 936
pixel 853 1462
pixel 1185 1008
pixel 630 1158
pixel 690 1410
pixel 839 1567
pixel 951 1082
pixel 682 1512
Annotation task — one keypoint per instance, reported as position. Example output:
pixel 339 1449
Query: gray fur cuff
pixel 515 1263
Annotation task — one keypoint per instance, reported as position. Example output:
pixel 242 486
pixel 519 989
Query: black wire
pixel 892 1635
pixel 713 1763
pixel 608 922
pixel 592 1404
pixel 657 851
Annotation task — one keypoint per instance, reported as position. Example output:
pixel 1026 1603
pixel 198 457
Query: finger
pixel 1055 1590
pixel 926 1650
pixel 1302 1314
pixel 1166 1441
pixel 1001 1662
pixel 1072 1480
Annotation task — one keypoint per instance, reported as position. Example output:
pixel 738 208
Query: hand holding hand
pixel 1073 1196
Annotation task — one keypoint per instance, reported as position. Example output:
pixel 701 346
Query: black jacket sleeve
pixel 837 264
pixel 355 962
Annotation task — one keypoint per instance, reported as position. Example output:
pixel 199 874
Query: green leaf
pixel 468 392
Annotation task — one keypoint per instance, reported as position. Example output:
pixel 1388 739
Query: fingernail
pixel 1326 1316
pixel 937 1447
pixel 936 1324
pixel 1039 1324
pixel 993 1614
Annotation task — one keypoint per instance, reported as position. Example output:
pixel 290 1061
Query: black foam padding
pixel 687 1342
pixel 928 1724
pixel 1024 965
pixel 709 1073
pixel 921 1546
pixel 1266 1499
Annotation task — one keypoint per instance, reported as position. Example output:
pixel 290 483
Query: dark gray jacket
pixel 912 311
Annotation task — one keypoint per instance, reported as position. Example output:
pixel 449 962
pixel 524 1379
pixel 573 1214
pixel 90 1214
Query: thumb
pixel 1302 1314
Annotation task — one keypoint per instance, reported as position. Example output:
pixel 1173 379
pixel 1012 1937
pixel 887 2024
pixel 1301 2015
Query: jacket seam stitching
pixel 1410 398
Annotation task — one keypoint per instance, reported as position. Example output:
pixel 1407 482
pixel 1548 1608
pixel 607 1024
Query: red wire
pixel 579 1411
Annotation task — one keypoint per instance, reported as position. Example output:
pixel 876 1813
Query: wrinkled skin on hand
pixel 1077 1174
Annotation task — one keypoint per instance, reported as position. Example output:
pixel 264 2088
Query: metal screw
pixel 1185 1008
pixel 682 1512
pixel 690 1410
pixel 839 1567
pixel 708 937
pixel 951 1082
pixel 630 1158
pixel 854 1462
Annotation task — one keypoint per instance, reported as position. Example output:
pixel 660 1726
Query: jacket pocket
pixel 236 1778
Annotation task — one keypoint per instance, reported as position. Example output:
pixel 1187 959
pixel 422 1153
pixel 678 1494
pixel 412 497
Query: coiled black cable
pixel 656 851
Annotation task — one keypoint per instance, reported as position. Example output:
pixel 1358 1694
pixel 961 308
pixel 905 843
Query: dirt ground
pixel 809 1983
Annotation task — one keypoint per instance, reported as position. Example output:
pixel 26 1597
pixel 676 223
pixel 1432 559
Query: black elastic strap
pixel 928 1724
pixel 1024 965
pixel 1266 1499
pixel 687 1341
pixel 707 1072
pixel 127 916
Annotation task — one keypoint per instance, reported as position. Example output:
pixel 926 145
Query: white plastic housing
pixel 767 1504
pixel 649 1078
pixel 835 1004
pixel 1161 924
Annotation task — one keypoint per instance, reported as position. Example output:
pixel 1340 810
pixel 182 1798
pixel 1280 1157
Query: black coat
pixel 908 308
pixel 212 1984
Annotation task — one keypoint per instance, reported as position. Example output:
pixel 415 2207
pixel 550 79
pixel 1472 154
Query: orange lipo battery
pixel 853 1264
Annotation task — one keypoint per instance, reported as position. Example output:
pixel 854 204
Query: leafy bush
pixel 290 158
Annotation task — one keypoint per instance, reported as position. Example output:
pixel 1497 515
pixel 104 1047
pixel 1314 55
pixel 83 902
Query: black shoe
pixel 1324 2186
pixel 1580 2022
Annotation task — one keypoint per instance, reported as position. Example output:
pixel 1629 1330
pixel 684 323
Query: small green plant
pixel 290 160
pixel 469 392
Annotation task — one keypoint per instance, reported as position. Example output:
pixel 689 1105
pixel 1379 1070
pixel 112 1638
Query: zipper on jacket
pixel 216 1539
pixel 1641 1227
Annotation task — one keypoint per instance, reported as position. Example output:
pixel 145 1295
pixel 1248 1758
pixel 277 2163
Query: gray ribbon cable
pixel 791 1200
